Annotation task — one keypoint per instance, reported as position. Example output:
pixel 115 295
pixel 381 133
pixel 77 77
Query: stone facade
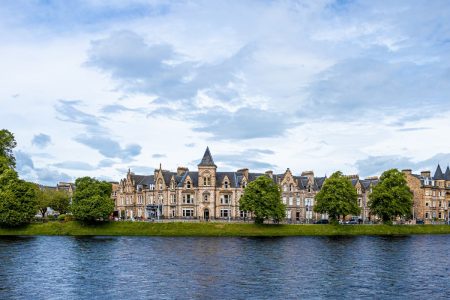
pixel 431 194
pixel 207 194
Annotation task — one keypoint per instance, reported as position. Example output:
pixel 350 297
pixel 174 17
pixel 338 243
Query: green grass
pixel 218 229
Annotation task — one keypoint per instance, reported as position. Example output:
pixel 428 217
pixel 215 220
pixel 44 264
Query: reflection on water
pixel 238 268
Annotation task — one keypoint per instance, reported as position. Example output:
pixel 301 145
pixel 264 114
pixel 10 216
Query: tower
pixel 207 171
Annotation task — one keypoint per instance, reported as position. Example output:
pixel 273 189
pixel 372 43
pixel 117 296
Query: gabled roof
pixel 220 176
pixel 447 173
pixel 143 179
pixel 207 160
pixel 438 175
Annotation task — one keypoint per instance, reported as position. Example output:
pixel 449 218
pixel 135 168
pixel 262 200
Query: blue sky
pixel 97 87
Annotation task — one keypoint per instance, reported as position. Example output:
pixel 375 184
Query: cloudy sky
pixel 97 87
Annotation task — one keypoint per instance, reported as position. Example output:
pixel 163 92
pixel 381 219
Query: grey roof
pixel 447 173
pixel 207 159
pixel 438 175
pixel 144 180
pixel 220 176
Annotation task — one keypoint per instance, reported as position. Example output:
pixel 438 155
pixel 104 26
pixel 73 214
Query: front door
pixel 206 214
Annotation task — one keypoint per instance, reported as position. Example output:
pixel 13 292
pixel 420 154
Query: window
pixel 440 215
pixel 188 212
pixel 359 202
pixel 224 213
pixel 205 197
pixel 244 184
pixel 284 188
pixel 206 181
pixel 188 199
pixel 284 200
pixel 288 214
pixel 427 215
pixel 291 187
pixel 225 199
pixel 160 185
pixel 188 184
pixel 426 204
pixel 298 201
pixel 440 204
pixel 309 202
pixel 243 214
pixel 225 184
pixel 291 199
pixel 309 214
pixel 172 213
pixel 173 199
pixel 160 199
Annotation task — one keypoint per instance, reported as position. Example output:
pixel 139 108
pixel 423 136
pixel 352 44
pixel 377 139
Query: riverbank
pixel 217 229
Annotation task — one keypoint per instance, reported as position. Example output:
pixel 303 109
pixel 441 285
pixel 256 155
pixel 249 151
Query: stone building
pixel 431 194
pixel 210 194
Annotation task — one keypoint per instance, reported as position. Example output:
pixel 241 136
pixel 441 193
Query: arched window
pixel 226 184
pixel 160 184
pixel 205 197
pixel 188 184
pixel 291 187
pixel 206 181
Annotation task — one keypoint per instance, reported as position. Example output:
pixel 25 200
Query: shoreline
pixel 184 229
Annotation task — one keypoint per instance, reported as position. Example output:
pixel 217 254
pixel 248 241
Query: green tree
pixel 60 201
pixel 18 198
pixel 391 197
pixel 7 144
pixel 262 197
pixel 337 198
pixel 43 200
pixel 18 202
pixel 92 200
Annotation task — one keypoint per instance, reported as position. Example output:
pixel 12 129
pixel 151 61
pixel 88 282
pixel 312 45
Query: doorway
pixel 206 214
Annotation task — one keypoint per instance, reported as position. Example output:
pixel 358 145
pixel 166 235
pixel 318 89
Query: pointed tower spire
pixel 447 173
pixel 207 160
pixel 438 175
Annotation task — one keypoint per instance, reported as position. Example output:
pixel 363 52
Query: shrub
pixel 62 217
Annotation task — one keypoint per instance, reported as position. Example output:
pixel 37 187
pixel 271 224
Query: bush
pixel 68 218
pixel 62 217
pixel 51 218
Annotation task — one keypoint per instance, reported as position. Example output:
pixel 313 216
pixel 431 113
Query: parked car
pixel 420 222
pixel 323 221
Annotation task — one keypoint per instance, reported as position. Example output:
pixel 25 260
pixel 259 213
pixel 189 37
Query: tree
pixel 262 197
pixel 92 200
pixel 7 144
pixel 43 200
pixel 18 202
pixel 60 201
pixel 337 198
pixel 391 197
pixel 18 198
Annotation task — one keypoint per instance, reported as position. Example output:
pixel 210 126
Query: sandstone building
pixel 207 193
pixel 431 194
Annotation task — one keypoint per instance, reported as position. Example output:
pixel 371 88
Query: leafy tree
pixel 7 144
pixel 92 200
pixel 18 198
pixel 18 202
pixel 391 197
pixel 60 201
pixel 262 197
pixel 337 198
pixel 43 200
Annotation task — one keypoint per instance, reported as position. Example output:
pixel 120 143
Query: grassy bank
pixel 219 229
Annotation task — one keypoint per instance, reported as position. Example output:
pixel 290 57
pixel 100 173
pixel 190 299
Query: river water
pixel 412 267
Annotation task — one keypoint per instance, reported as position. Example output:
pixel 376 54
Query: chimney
pixel 181 170
pixel 407 171
pixel 310 175
pixel 425 174
pixel 244 171
pixel 269 173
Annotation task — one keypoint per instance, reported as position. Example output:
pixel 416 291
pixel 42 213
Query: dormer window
pixel 225 184
pixel 172 185
pixel 188 184
pixel 244 184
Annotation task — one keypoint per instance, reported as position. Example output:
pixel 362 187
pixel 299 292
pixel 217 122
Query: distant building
pixel 431 194
pixel 210 194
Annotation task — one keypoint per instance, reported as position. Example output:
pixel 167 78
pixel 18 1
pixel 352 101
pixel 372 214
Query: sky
pixel 93 88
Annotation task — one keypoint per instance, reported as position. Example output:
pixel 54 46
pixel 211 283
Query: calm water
pixel 240 268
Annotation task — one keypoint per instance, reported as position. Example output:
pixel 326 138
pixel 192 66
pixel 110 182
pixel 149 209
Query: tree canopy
pixel 262 197
pixel 92 200
pixel 337 198
pixel 57 200
pixel 18 198
pixel 391 197
pixel 7 144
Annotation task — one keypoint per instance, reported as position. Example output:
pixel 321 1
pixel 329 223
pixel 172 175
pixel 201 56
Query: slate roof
pixel 447 173
pixel 438 175
pixel 220 176
pixel 207 160
pixel 144 180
